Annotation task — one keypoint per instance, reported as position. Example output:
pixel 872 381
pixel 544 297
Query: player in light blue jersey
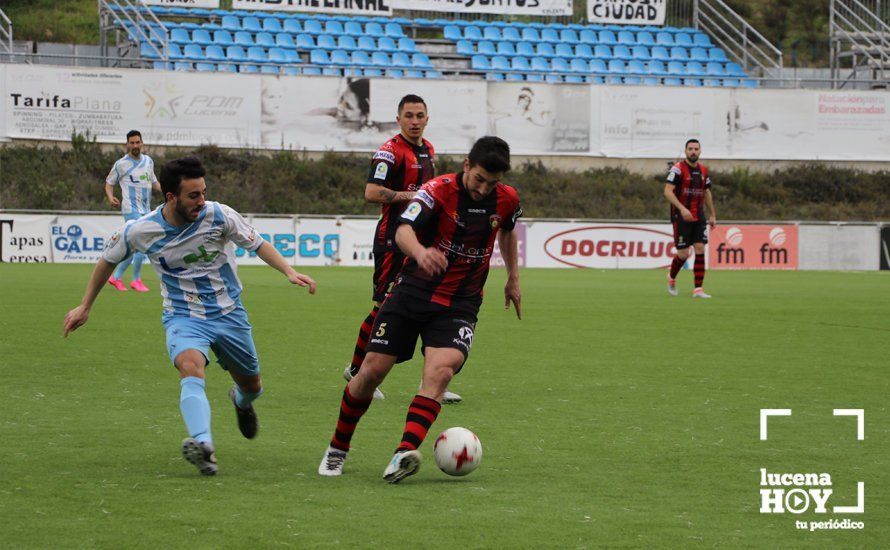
pixel 190 243
pixel 135 175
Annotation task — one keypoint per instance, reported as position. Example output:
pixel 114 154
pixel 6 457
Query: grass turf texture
pixel 612 414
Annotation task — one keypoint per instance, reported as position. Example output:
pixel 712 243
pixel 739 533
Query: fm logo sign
pixel 797 493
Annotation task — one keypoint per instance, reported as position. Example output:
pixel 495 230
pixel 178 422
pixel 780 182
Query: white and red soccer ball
pixel 458 451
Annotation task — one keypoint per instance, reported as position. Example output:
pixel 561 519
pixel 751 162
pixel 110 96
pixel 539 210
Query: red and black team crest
pixel 494 220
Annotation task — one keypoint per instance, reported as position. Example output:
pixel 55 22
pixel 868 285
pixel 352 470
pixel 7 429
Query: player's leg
pixel 681 242
pixel 699 270
pixel 187 344
pixel 358 354
pixel 137 284
pixel 234 347
pixel 115 279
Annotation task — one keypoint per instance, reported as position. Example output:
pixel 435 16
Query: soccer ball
pixel 458 451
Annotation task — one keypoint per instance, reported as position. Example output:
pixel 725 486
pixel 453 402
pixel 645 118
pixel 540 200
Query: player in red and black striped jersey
pixel 448 233
pixel 688 190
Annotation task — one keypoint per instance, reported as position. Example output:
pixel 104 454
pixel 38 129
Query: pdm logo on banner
pixel 885 248
pixel 24 238
pixel 81 239
pixel 365 7
pixel 183 3
pixel 516 7
pixel 613 247
pixel 753 247
pixel 635 12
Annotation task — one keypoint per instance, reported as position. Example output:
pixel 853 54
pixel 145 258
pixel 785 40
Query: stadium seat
pixel 692 82
pixel 530 34
pixel 506 49
pixel 698 54
pixel 672 81
pixel 325 42
pixel 243 38
pixel 292 26
pixel 361 58
pixel 584 51
pixel 277 55
pixel 193 52
pixel 413 73
pixel 305 42
pixel 251 24
pixel 511 33
pixel 366 43
pixel 734 69
pixel 608 38
pixel 525 48
pixel 387 44
pixel 497 77
pixel 313 26
pixel 394 30
pixel 465 47
pixel 534 77
pixel 248 68
pixel 545 49
pixel 730 83
pixel 651 81
pixel 272 25
pixel 515 77
pixel 601 51
pixel 407 45
pixel 340 57
pixel 331 71
pixel 480 63
pixel 676 68
pixel 633 80
pixel 180 36
pixel 400 60
pixel 231 23
pixel 589 37
pixel 452 32
pixel 694 68
pixel 264 39
pixel 421 61
pixel 627 38
pixel 333 27
pixel 579 65
pixel 491 33
pixel 553 78
pixel 614 80
pixel 636 67
pixel 353 28
pixel 539 64
pixel 550 36
pixel 683 39
pixel 714 68
pixel 559 65
pixel 346 42
pixel 569 36
pixel 319 57
pixel 223 38
pixel 473 33
pixel 183 66
pixel 312 71
pixel 679 53
pixel 574 79
pixel 660 53
pixel 520 63
pixel 373 71
pixel 564 50
pixel 291 71
pixel 701 40
pixel 235 54
pixel 598 66
pixel 292 56
pixel 656 67
pixel 664 39
pixel 622 52
pixel 380 59
pixel 374 29
pixel 201 37
pixel 641 53
pixel 500 63
pixel 711 82
pixel 214 52
pixel 161 66
pixel 393 73
pixel 749 83
pixel 717 54
pixel 226 68
pixel 645 38
pixel 486 48
pixel 616 66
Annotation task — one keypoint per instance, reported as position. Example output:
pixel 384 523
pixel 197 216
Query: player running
pixel 398 169
pixel 187 240
pixel 688 186
pixel 135 174
pixel 447 232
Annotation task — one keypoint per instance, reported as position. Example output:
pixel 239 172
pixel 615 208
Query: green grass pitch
pixel 611 415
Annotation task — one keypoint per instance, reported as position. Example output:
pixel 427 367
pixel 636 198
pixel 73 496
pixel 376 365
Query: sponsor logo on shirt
pixel 385 155
pixel 426 198
pixel 410 214
pixel 381 171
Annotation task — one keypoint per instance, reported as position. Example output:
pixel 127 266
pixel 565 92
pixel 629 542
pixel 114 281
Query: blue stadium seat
pixel 292 26
pixel 574 79
pixel 201 37
pixel 312 71
pixel 453 33
pixel 413 73
pixel 361 58
pixel 641 53
pixel 500 63
pixel 549 35
pixel 702 40
pixel 331 71
pixel 617 66
pixel 277 55
pixel 588 36
pixel 564 50
pixel 698 54
pixel 319 57
pixel 692 82
pixel 486 48
pixel 579 65
pixel 664 39
pixel 400 59
pixel 545 49
pixel 366 43
pixel 683 39
pixel 251 24
pixel 333 27
pixel 602 51
pixel 161 66
pixel 231 23
pixel 694 68
pixel 515 77
pixel 633 80
pixel 243 38
pixel 715 69
pixel 214 52
pixel 560 65
pixel 598 66
pixel 614 80
pixel 506 48
pixel 553 78
pixel 182 66
pixel 534 78
pixel 734 69
pixel 525 48
pixel 393 73
pixel 622 52
pixel 656 67
pixel 608 38
pixel 569 36
pixel 473 33
pixel 264 39
pixel 380 59
pixel 340 57
pixel 313 26
pixel 495 77
pixel 325 42
pixel 291 71
pixel 180 36
pixel 353 28
pixel 731 83
pixel 717 54
pixel 346 42
pixel 636 67
pixel 465 47
pixel 511 33
pixel 651 81
pixel 222 38
pixel 660 53
pixel 387 44
pixel 226 68
pixel 272 25
pixel 270 69
pixel 520 63
pixel 210 27
pixel 711 82
pixel 374 29
pixel 679 53
pixel 235 54
pixel 530 34
pixel 407 45
pixel 305 42
pixel 292 56
pixel 193 52
pixel 434 74
pixel 627 38
pixel 676 68
pixel 257 54
pixel 394 30
pixel 491 33
pixel 645 38
pixel 373 71
pixel 584 51
pixel 540 64
pixel 673 81
pixel 421 61
pixel 480 63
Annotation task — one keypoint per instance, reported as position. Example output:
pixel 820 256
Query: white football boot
pixel 402 465
pixel 700 293
pixel 672 287
pixel 332 462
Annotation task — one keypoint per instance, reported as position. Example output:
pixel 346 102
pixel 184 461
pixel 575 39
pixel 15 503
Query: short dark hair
pixel 132 133
pixel 693 140
pixel 491 153
pixel 175 171
pixel 411 98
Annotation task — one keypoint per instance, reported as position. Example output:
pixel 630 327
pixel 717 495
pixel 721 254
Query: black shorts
pixel 387 265
pixel 403 317
pixel 687 233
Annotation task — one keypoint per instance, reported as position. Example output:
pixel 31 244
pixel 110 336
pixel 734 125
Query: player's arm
pixel 381 179
pixel 273 258
pixel 429 259
pixel 109 193
pixel 78 316
pixel 379 194
pixel 712 214
pixel 672 198
pixel 509 244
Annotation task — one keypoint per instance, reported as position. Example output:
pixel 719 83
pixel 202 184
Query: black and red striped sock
pixel 351 411
pixel 421 414
pixel 362 342
pixel 676 266
pixel 699 270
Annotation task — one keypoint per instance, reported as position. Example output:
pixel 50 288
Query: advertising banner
pixel 753 247
pixel 3 136
pixel 357 242
pixel 304 241
pixel 360 7
pixel 885 248
pixel 24 238
pixel 540 117
pixel 81 238
pixel 600 246
pixel 514 7
pixel 182 3
pixel 521 230
pixel 630 12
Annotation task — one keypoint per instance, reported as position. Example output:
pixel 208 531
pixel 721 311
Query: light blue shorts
pixel 230 337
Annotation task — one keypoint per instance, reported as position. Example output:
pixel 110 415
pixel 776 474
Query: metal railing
pixel 5 35
pixel 128 16
pixel 860 33
pixel 737 37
